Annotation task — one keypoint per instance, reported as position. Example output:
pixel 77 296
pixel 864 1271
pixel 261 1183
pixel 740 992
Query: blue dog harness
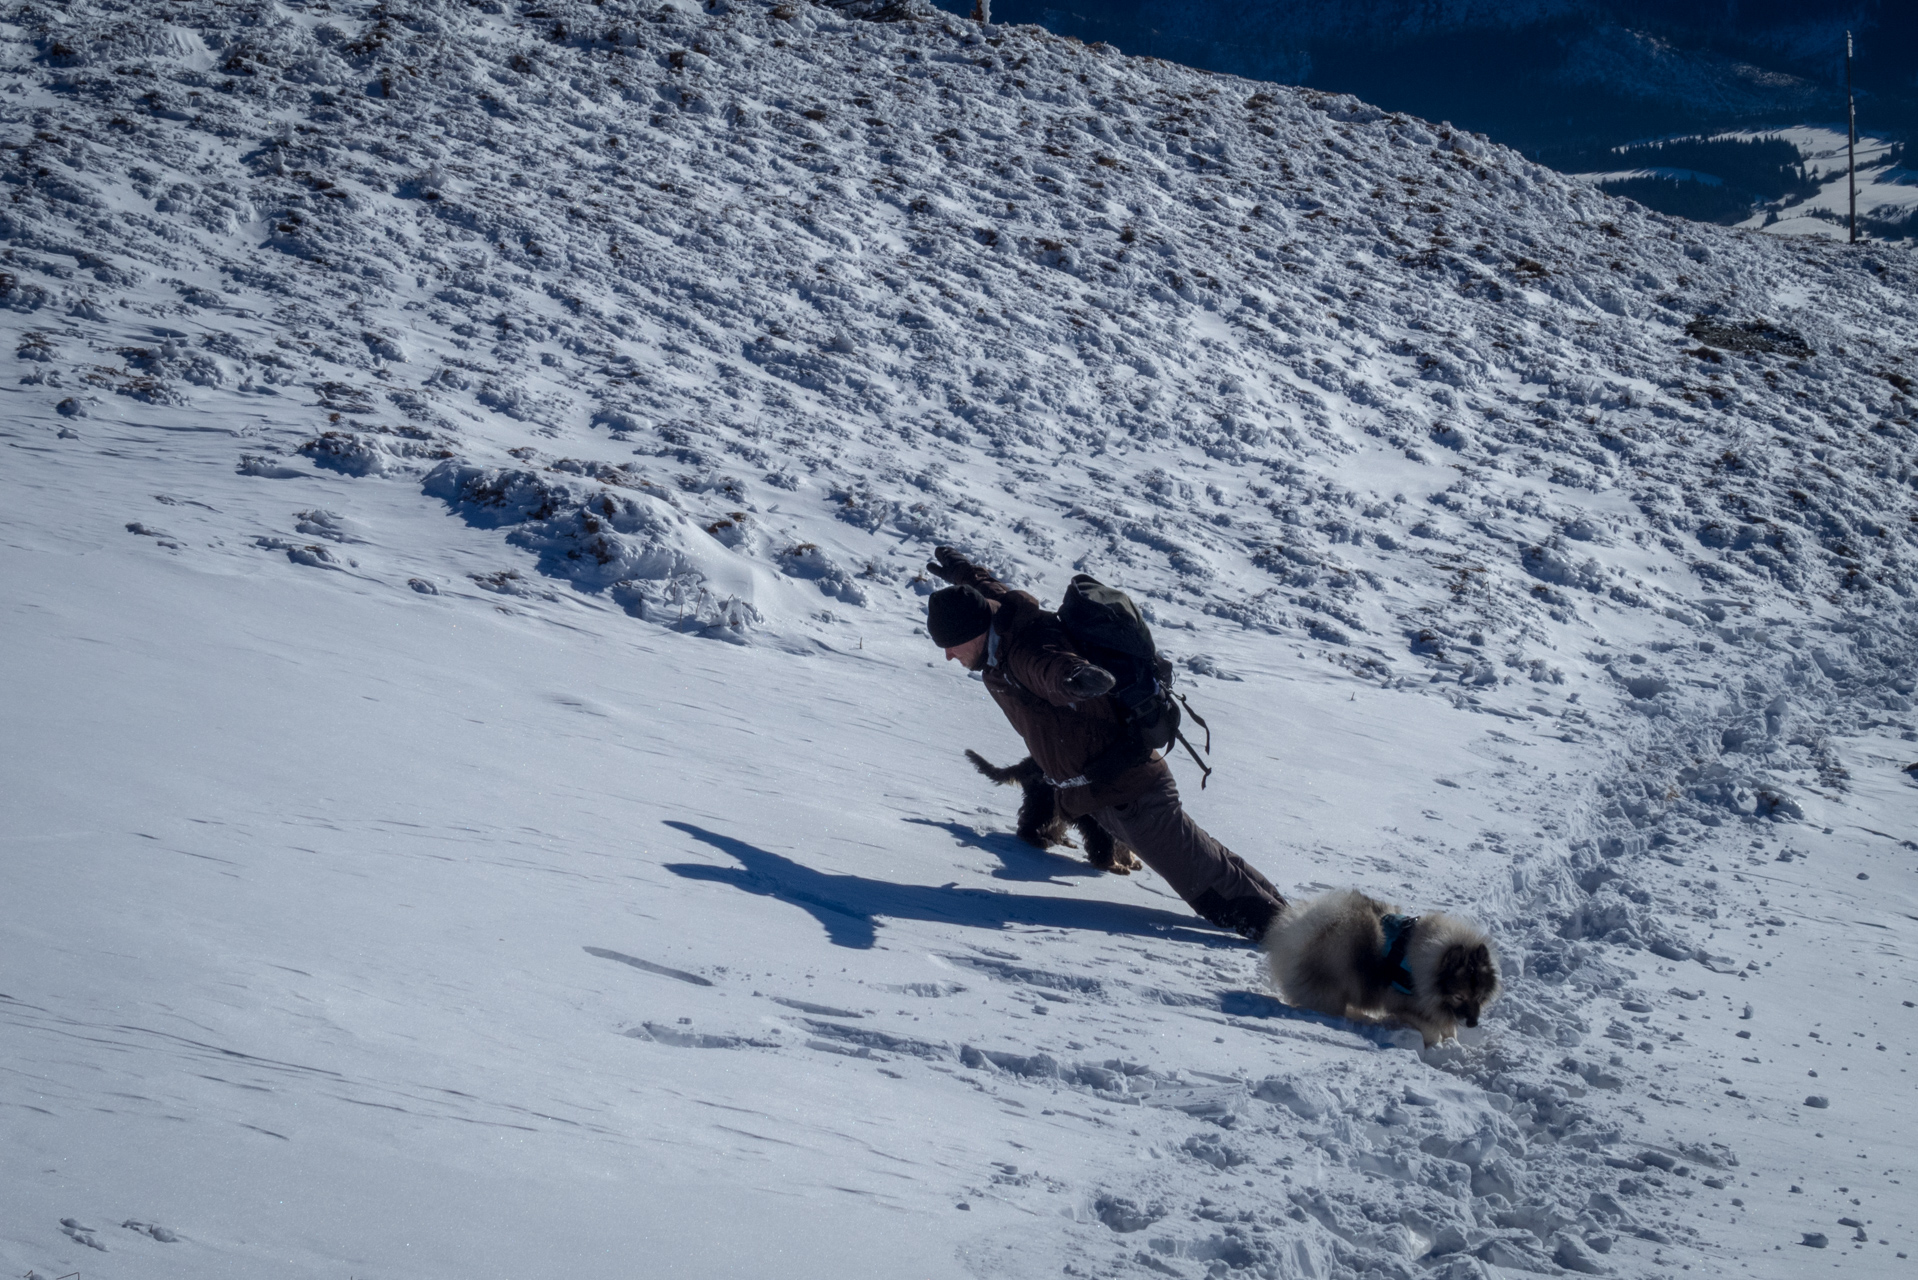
pixel 1398 940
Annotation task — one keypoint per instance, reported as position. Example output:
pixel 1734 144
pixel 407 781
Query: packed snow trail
pixel 403 883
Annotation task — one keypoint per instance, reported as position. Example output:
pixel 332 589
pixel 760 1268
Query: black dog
pixel 1042 825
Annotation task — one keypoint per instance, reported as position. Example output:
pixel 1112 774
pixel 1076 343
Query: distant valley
pixel 1729 113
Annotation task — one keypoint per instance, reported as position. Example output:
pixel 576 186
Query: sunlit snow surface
pixel 479 801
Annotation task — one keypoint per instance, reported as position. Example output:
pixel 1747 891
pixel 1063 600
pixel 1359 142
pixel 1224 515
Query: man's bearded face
pixel 971 655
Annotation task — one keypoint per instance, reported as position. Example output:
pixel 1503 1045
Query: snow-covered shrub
pixel 1551 562
pixel 601 527
pixel 806 560
pixel 348 452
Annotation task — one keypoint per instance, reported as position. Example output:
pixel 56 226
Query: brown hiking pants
pixel 1216 882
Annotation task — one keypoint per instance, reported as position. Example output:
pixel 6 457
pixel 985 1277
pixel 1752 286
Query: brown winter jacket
pixel 1029 658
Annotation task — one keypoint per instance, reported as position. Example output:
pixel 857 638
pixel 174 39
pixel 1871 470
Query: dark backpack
pixel 1106 628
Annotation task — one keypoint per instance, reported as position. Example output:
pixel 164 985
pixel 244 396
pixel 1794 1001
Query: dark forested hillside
pixel 1557 79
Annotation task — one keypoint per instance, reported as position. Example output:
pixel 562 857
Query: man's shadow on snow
pixel 1017 859
pixel 847 906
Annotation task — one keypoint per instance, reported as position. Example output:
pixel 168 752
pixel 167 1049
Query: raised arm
pixel 949 566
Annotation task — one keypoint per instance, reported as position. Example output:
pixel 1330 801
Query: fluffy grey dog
pixel 1350 956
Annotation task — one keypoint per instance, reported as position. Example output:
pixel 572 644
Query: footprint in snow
pixel 647 966
pixel 163 1234
pixel 312 555
pixel 684 1039
pixel 252 464
pixel 160 536
pixel 80 1233
pixel 326 524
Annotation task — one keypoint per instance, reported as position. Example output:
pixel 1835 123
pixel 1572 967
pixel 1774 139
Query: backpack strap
pixel 1205 770
pixel 1398 940
pixel 1198 720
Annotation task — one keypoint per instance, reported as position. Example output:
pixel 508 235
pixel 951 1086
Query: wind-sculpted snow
pixel 725 317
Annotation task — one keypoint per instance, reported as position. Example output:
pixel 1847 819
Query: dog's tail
pixel 1004 777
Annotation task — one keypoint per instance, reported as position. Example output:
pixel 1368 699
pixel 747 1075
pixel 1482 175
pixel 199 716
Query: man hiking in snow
pixel 1057 701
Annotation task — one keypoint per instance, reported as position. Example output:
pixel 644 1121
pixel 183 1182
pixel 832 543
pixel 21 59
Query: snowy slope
pixel 480 800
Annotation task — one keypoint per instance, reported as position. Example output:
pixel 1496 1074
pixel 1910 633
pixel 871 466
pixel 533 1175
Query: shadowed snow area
pixel 480 800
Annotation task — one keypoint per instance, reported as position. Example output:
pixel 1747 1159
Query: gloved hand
pixel 1089 682
pixel 948 565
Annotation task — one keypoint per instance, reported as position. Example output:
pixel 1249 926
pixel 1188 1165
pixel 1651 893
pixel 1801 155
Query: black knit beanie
pixel 955 615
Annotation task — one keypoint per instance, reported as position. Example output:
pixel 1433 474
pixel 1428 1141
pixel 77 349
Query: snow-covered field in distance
pixel 1886 190
pixel 480 801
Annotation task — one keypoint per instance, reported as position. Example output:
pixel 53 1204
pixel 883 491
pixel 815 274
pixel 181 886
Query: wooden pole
pixel 1851 143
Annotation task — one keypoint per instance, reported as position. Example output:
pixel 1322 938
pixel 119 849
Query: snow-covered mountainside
pixel 481 800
